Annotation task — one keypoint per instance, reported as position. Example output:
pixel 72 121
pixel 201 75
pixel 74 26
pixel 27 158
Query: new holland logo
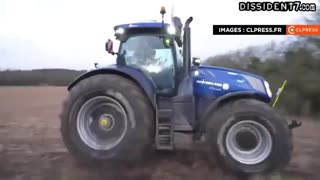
pixel 224 86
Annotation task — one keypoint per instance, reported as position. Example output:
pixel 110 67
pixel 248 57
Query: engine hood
pixel 217 68
pixel 218 81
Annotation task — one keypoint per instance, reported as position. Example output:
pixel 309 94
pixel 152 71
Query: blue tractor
pixel 156 97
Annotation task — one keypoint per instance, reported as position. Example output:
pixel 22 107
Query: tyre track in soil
pixel 31 147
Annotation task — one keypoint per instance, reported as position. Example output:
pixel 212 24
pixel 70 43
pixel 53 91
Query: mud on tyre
pixel 107 117
pixel 248 136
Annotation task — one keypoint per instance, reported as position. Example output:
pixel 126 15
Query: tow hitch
pixel 294 124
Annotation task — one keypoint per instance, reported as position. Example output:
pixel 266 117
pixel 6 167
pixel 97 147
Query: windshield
pixel 153 55
pixel 146 51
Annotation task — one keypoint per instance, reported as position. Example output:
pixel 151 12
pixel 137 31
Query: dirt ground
pixel 31 147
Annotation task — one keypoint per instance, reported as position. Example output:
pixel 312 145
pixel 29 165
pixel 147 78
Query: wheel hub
pixel 102 123
pixel 248 142
pixel 246 139
pixel 106 122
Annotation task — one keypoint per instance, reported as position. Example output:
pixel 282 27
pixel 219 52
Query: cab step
pixel 164 131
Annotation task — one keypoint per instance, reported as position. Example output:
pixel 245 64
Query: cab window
pixel 153 55
pixel 179 56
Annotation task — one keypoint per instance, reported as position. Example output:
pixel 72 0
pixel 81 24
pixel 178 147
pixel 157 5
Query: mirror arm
pixel 194 61
pixel 114 53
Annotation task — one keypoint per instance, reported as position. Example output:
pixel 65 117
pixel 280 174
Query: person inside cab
pixel 153 55
pixel 144 54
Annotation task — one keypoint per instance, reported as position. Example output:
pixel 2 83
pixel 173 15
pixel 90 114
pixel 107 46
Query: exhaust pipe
pixel 187 47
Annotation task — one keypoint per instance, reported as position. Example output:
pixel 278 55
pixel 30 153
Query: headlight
pixel 257 84
pixel 120 31
pixel 171 30
pixel 196 73
pixel 269 92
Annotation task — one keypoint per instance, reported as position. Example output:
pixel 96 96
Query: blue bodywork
pixel 209 83
pixel 219 81
pixel 212 85
pixel 131 73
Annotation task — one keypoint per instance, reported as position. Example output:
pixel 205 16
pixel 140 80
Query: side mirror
pixel 177 25
pixel 196 61
pixel 109 47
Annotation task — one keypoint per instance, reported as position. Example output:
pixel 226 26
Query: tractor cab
pixel 153 48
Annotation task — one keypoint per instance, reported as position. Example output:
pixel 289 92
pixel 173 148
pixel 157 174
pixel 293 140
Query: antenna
pixel 162 12
pixel 172 13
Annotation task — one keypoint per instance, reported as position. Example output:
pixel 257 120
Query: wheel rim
pixel 249 142
pixel 101 123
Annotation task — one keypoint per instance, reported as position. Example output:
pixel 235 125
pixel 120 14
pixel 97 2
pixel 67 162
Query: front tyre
pixel 248 136
pixel 107 117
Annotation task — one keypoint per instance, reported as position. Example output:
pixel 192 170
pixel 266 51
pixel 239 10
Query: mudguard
pixel 133 74
pixel 222 99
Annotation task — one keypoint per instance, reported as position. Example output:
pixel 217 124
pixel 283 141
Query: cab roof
pixel 146 24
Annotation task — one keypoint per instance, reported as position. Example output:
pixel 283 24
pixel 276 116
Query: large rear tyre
pixel 107 117
pixel 247 136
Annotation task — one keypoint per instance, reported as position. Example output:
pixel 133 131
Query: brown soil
pixel 31 146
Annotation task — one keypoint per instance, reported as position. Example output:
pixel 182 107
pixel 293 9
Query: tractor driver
pixel 144 54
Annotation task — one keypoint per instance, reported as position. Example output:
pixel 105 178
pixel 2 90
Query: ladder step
pixel 165 148
pixel 164 136
pixel 165 113
pixel 162 127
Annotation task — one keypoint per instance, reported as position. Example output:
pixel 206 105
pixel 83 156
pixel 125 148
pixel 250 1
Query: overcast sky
pixel 72 33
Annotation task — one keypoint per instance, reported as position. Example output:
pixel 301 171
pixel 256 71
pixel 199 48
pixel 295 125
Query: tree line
pixel 38 77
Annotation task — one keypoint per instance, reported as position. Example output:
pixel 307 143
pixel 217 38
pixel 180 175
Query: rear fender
pixel 135 75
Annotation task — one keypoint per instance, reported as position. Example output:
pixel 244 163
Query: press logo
pixel 290 30
pixel 303 30
pixel 277 6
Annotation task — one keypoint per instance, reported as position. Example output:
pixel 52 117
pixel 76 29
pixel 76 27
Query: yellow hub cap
pixel 104 122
